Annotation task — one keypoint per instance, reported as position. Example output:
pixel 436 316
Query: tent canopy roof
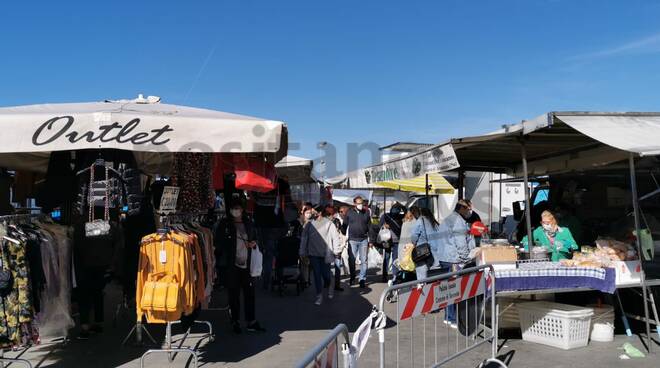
pixel 298 170
pixel 150 129
pixel 562 141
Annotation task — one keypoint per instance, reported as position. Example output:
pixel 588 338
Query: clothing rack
pixel 14 360
pixel 8 219
pixel 169 347
pixel 173 351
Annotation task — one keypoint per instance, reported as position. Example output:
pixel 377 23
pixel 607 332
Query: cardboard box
pixel 497 254
pixel 628 272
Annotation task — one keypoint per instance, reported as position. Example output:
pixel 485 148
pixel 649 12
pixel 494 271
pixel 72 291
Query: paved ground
pixel 295 324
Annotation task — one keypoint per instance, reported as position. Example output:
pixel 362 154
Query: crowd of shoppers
pixel 327 232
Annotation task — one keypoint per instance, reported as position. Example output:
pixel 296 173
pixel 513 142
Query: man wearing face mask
pixel 359 238
pixel 236 237
pixel 471 218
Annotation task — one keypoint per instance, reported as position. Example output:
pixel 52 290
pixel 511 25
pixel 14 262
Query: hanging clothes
pixel 56 251
pixel 192 174
pixel 16 309
pixel 170 280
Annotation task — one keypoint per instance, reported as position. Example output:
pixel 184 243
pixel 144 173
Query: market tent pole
pixel 461 184
pixel 427 190
pixel 499 217
pixel 638 230
pixel 528 206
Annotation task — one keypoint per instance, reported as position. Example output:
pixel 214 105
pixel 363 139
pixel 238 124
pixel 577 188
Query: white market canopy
pixel 297 170
pixel 145 126
pixel 561 142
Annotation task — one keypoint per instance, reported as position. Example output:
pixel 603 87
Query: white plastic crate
pixel 560 325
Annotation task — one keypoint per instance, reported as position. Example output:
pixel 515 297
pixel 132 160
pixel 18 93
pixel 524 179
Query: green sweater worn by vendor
pixel 559 246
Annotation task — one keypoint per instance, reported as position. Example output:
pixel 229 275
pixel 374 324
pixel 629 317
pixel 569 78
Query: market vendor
pixel 557 240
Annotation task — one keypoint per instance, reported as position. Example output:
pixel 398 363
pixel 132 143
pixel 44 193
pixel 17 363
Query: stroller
pixel 287 262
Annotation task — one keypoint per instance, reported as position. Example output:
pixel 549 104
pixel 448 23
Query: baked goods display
pixel 606 252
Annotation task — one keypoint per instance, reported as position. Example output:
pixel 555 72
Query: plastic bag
pixel 384 235
pixel 374 259
pixel 256 263
pixel 406 263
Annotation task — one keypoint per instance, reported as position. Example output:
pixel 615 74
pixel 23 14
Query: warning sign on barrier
pixel 439 294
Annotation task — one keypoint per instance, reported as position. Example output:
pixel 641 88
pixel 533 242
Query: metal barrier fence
pixel 422 304
pixel 426 303
pixel 326 353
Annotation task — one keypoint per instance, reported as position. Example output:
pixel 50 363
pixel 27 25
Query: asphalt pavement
pixel 294 325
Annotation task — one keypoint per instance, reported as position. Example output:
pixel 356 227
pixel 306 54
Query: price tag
pixel 168 200
pixel 162 256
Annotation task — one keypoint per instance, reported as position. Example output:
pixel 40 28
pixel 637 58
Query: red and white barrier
pixel 439 294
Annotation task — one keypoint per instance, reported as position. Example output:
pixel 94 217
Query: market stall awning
pixel 437 184
pixel 30 133
pixel 561 142
pixel 438 158
pixel 297 170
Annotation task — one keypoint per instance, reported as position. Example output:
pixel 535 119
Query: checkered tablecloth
pixel 550 275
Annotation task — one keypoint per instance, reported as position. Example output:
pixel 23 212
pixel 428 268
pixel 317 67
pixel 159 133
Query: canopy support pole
pixel 638 229
pixel 427 191
pixel 499 216
pixel 528 205
pixel 461 184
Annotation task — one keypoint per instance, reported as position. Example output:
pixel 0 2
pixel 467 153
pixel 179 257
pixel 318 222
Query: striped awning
pixel 437 184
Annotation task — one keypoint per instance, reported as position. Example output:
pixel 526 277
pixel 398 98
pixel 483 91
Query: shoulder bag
pixel 95 228
pixel 422 252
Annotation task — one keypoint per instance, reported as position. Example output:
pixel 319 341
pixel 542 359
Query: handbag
pixel 96 228
pixel 161 293
pixel 422 252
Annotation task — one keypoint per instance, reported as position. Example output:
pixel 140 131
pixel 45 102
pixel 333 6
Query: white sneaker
pixel 331 292
pixel 319 299
pixel 453 325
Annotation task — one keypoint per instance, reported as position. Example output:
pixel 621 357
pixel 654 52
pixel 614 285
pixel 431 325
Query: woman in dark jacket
pixel 236 238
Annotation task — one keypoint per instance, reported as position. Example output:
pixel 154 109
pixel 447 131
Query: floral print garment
pixel 16 311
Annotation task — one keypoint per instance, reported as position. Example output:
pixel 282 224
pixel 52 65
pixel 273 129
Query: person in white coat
pixel 318 242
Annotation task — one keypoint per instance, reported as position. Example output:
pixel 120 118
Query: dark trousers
pixel 387 254
pixel 337 275
pixel 321 273
pixel 351 263
pixel 240 280
pixel 91 285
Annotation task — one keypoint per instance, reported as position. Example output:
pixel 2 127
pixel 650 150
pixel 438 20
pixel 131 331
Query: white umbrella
pixel 145 126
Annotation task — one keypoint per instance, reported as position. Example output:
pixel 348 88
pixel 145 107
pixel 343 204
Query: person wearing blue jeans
pixel 450 311
pixel 359 229
pixel 361 249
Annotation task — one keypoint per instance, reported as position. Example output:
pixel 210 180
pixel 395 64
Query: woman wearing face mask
pixel 318 241
pixel 237 237
pixel 557 240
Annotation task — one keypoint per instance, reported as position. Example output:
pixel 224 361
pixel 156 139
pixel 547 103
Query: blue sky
pixel 340 71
